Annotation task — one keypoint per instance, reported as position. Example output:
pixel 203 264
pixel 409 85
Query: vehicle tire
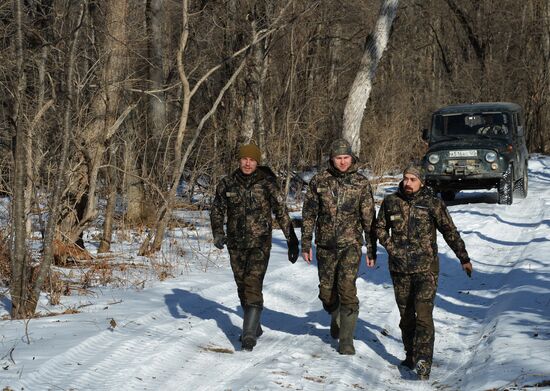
pixel 448 195
pixel 506 187
pixel 523 184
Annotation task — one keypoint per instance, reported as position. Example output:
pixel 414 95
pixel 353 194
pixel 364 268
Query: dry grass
pixel 98 273
pixel 65 253
pixel 163 271
pixel 56 287
pixel 185 205
pixel 316 379
pixel 5 263
pixel 176 222
pixel 217 349
pixel 68 311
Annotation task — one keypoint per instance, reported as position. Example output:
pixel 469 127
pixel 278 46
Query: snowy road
pixel 492 331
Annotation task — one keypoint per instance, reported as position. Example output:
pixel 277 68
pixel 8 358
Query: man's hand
pixel 467 267
pixel 308 256
pixel 219 241
pixel 293 249
pixel 371 262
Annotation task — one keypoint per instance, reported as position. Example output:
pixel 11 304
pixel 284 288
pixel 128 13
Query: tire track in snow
pixel 512 243
pixel 94 364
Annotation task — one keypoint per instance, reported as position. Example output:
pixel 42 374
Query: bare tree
pixel 466 23
pixel 188 92
pixel 105 120
pixel 155 19
pixel 61 177
pixel 28 275
pixel 362 85
pixel 19 286
pixel 253 116
pixel 179 161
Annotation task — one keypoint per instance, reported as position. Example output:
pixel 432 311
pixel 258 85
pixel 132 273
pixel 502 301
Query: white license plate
pixel 464 153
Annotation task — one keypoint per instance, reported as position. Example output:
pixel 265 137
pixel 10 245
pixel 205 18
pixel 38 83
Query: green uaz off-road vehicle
pixel 477 146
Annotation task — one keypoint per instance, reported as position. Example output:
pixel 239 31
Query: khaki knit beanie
pixel 251 151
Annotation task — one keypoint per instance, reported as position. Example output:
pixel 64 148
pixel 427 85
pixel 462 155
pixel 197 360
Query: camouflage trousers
pixel 414 294
pixel 249 267
pixel 337 270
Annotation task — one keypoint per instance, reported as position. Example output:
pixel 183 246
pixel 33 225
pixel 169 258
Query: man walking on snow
pixel 248 197
pixel 339 207
pixel 406 227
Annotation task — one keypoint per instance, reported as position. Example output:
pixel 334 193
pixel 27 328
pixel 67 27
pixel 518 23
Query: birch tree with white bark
pixel 362 85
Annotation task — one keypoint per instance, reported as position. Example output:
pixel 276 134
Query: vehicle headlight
pixel 433 158
pixel 491 157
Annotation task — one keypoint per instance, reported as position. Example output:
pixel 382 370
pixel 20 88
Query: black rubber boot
pixel 259 332
pixel 251 326
pixel 335 323
pixel 348 319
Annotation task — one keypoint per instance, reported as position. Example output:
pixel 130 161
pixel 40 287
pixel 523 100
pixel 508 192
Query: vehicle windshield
pixel 485 124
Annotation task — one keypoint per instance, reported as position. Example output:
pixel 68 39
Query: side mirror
pixel 425 135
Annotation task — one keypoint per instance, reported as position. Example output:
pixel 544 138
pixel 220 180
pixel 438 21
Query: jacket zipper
pixel 409 203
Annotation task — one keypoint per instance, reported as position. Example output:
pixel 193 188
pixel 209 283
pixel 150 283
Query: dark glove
pixel 293 249
pixel 219 241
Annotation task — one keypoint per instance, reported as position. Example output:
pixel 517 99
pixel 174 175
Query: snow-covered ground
pixel 492 331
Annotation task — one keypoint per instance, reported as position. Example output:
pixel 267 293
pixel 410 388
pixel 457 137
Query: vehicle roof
pixel 477 107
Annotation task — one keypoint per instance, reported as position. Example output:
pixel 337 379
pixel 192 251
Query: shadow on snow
pixel 500 219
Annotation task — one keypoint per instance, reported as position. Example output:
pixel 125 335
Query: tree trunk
pixel 335 53
pixel 19 285
pixel 545 104
pixel 362 85
pixel 289 120
pixel 479 48
pixel 105 242
pixel 36 158
pixel 262 56
pixel 254 121
pixel 135 192
pixel 157 100
pixel 59 183
pixel 104 110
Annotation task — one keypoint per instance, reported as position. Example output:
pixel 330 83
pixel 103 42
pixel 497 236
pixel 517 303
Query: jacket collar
pixel 261 172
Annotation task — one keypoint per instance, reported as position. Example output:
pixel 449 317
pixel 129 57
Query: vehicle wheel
pixel 506 188
pixel 522 184
pixel 448 195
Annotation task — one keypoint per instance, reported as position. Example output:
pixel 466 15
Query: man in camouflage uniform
pixel 406 226
pixel 339 207
pixel 248 197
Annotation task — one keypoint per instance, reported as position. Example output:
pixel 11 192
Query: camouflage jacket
pixel 248 201
pixel 339 207
pixel 406 227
